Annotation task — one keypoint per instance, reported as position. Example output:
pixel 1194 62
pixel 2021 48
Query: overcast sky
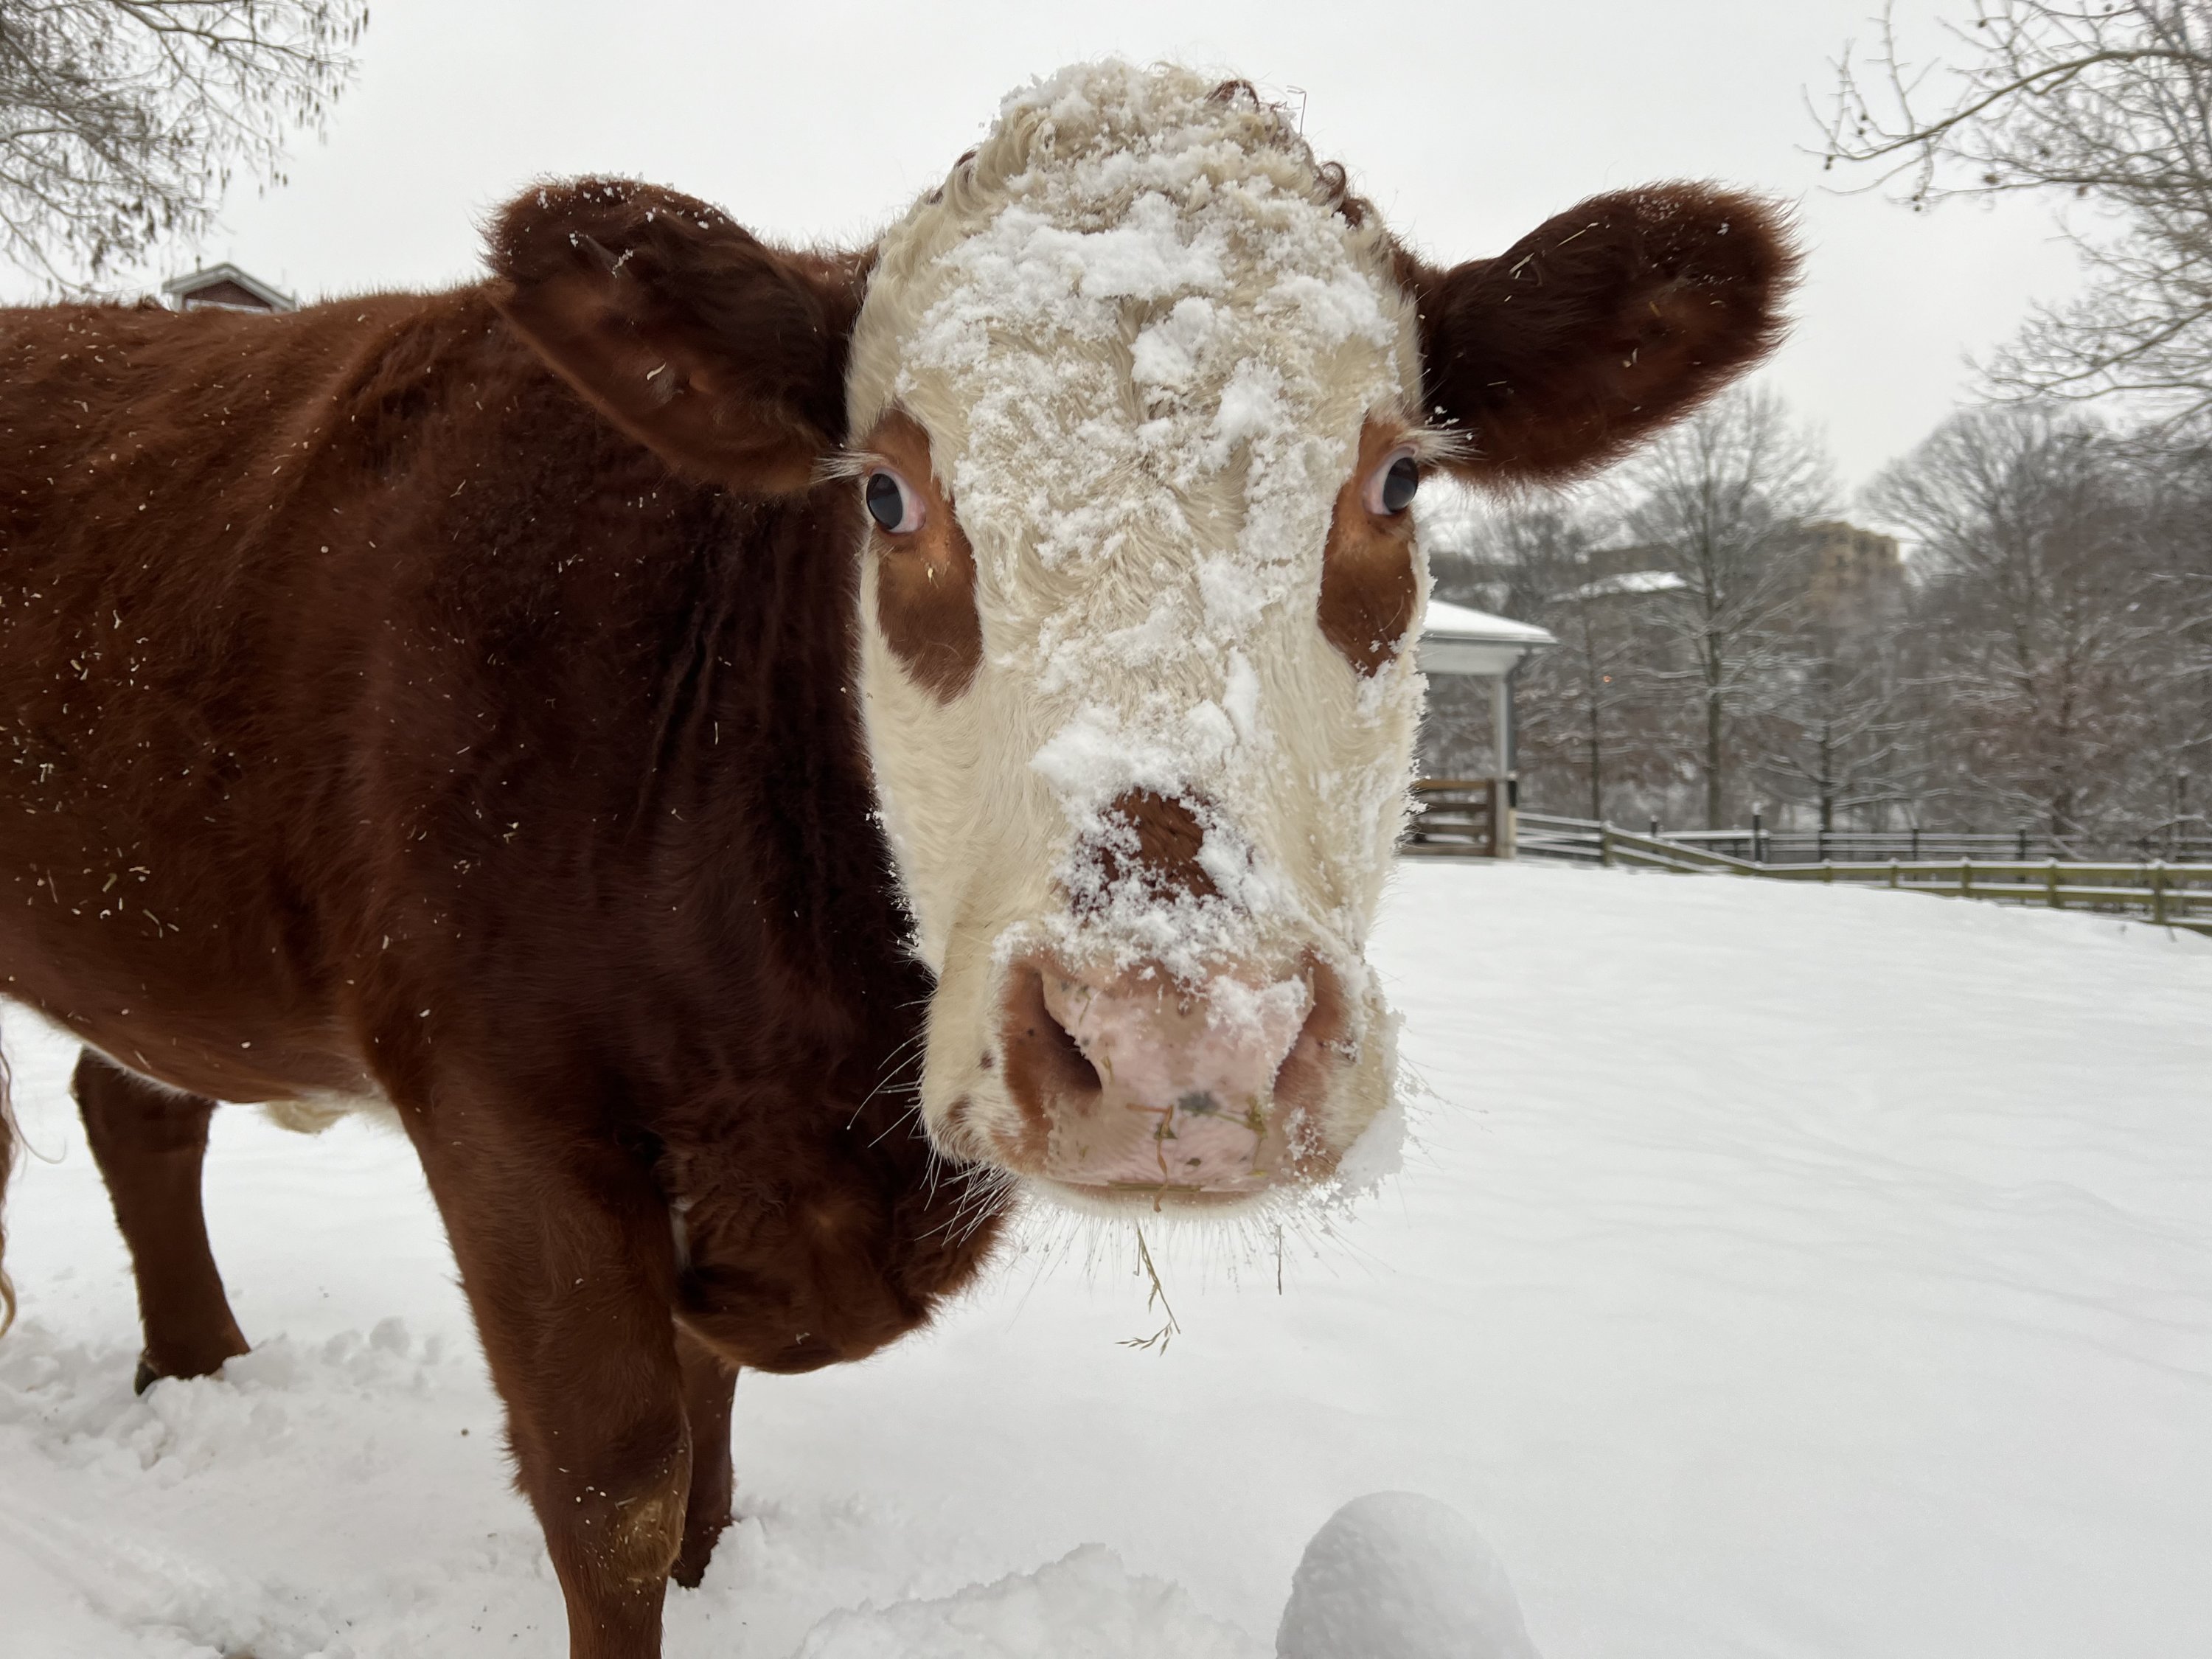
pixel 1468 124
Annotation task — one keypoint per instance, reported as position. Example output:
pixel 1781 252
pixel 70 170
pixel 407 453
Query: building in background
pixel 1852 575
pixel 226 287
pixel 1464 815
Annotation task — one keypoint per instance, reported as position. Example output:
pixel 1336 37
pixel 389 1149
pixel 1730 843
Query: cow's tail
pixel 8 1136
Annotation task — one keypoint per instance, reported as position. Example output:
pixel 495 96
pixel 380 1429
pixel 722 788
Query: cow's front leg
pixel 710 1384
pixel 150 1142
pixel 564 1250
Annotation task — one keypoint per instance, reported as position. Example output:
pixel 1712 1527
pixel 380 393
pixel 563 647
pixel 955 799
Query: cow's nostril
pixel 1301 1080
pixel 1073 1068
pixel 1046 1068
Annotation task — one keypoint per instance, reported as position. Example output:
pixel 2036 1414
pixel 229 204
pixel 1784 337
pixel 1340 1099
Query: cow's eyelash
pixel 847 463
pixel 1433 446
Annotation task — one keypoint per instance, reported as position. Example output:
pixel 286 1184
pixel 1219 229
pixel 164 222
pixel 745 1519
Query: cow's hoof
pixel 698 1550
pixel 209 1364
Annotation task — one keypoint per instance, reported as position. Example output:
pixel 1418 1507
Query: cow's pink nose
pixel 1130 1079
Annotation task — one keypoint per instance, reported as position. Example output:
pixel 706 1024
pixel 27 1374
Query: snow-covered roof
pixel 1447 620
pixel 1458 640
pixel 1629 581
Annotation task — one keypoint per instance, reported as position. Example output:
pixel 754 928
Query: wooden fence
pixel 1762 846
pixel 1454 817
pixel 2170 895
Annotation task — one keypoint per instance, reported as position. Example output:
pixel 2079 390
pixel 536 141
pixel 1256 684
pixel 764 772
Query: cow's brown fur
pixel 1369 586
pixel 378 717
pixel 1151 841
pixel 1599 327
pixel 150 1143
pixel 925 579
pixel 726 356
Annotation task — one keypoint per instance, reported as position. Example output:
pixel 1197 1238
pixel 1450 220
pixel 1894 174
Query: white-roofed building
pixel 1473 815
pixel 1630 584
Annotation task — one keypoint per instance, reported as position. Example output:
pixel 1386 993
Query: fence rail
pixel 2172 895
pixel 1453 818
pixel 1758 845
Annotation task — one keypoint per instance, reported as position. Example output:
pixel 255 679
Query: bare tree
pixel 2181 590
pixel 1576 702
pixel 2106 105
pixel 1592 730
pixel 122 122
pixel 1594 708
pixel 1838 733
pixel 1720 504
pixel 2051 659
pixel 2044 658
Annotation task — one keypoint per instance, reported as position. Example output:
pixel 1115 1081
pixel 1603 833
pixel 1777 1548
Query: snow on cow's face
pixel 1132 401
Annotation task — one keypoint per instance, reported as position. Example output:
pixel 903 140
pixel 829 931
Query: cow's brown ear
pixel 1604 323
pixel 723 355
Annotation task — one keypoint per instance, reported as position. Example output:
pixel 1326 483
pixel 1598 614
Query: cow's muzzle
pixel 1128 1080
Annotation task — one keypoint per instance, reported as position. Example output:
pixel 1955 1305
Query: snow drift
pixel 1773 1271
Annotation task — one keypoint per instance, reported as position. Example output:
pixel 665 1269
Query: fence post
pixel 1828 871
pixel 1916 843
pixel 1758 835
pixel 1965 878
pixel 2023 843
pixel 2158 892
pixel 2050 883
pixel 1605 845
pixel 1892 872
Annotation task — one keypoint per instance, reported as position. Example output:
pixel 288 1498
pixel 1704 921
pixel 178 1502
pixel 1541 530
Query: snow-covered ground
pixel 1777 1270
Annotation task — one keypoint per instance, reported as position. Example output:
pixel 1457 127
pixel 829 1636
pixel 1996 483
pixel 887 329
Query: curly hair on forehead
pixel 1266 124
pixel 1332 186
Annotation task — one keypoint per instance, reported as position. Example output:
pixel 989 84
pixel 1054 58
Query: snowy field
pixel 1777 1270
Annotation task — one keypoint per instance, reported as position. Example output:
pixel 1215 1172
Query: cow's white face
pixel 1134 408
pixel 1134 403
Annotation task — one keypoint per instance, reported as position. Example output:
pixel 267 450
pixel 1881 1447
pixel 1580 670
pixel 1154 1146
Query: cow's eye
pixel 892 502
pixel 1391 487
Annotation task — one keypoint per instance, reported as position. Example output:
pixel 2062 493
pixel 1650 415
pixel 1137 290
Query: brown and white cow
pixel 608 714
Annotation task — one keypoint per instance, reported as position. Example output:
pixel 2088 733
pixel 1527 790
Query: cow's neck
pixel 785 996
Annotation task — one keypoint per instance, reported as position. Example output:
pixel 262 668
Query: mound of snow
pixel 1398 1576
